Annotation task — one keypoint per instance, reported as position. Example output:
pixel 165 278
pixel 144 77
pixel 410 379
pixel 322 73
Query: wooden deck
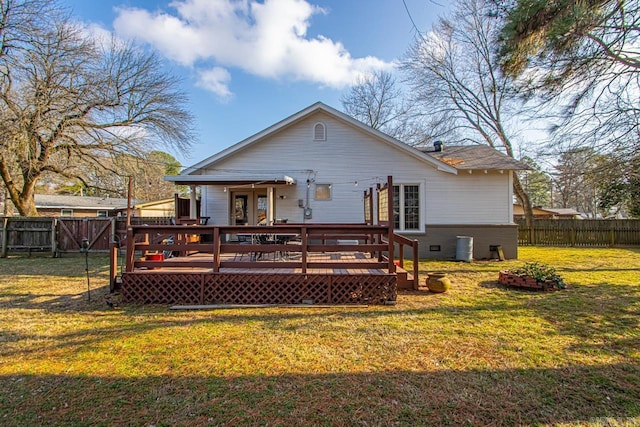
pixel 327 264
pixel 202 263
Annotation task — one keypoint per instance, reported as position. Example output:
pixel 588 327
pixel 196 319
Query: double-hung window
pixel 406 207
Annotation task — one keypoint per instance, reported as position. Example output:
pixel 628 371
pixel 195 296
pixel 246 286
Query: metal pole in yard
pixel 85 249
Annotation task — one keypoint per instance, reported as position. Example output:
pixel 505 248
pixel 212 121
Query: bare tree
pixel 374 100
pixel 67 99
pixel 453 71
pixel 146 171
pixel 377 101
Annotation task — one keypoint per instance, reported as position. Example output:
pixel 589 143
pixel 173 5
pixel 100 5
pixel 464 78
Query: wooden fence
pixel 65 235
pixel 62 235
pixel 580 233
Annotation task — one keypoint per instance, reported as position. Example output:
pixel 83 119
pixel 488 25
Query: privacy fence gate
pixel 65 235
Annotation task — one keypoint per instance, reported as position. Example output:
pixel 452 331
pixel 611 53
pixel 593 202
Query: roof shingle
pixel 475 157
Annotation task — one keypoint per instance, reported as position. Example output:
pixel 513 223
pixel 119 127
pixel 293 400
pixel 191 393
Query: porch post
pixel 271 204
pixel 193 206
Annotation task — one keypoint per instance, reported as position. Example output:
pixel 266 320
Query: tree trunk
pixel 523 198
pixel 22 199
pixel 26 205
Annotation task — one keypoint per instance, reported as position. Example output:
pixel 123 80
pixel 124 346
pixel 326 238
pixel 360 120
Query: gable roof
pixel 140 204
pixel 57 201
pixel 518 210
pixel 476 157
pixel 318 106
pixel 564 211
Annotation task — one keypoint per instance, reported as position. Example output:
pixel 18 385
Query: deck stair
pixel 404 279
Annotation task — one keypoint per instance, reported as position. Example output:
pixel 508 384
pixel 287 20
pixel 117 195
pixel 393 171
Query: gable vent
pixel 319 132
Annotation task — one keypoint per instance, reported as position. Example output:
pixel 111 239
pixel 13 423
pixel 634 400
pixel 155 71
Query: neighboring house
pixel 546 213
pixel 82 206
pixel 156 208
pixel 77 206
pixel 565 213
pixel 314 165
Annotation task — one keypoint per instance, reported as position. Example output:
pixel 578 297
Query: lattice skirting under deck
pixel 257 288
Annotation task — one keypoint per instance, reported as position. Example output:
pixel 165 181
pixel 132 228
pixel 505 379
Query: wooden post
pixel 416 256
pixel 113 266
pixel 5 237
pixel 392 265
pixel 573 236
pixel 54 237
pixel 193 204
pixel 216 250
pixel 612 235
pixel 371 214
pixel 271 205
pixel 305 242
pixel 114 229
pixel 131 249
pixel 129 192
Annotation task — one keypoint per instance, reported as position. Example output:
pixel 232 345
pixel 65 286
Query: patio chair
pixel 264 239
pixel 242 240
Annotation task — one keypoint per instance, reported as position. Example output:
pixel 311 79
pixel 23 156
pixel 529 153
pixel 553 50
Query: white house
pixel 315 165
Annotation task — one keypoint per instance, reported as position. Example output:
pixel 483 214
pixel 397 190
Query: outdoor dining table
pixel 267 239
pixel 258 238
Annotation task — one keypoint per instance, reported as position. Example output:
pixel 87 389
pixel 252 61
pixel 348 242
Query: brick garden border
pixel 508 278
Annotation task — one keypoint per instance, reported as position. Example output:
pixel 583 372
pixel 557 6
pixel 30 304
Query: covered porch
pixel 249 200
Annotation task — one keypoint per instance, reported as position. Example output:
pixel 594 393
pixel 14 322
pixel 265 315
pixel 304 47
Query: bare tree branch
pixel 66 98
pixel 453 69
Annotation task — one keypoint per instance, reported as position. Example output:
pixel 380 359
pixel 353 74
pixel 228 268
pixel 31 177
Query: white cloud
pixel 215 80
pixel 99 34
pixel 267 39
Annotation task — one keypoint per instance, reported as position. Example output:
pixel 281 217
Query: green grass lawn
pixel 480 354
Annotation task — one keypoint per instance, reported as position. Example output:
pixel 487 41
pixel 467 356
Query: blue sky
pixel 248 64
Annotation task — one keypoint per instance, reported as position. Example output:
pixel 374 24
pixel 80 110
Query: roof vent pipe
pixel 439 146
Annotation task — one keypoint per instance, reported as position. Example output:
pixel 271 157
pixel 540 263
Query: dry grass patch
pixel 480 354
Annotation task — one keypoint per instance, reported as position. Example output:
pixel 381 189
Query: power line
pixel 413 23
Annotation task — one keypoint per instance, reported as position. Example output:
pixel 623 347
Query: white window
pixel 323 192
pixel 406 207
pixel 66 212
pixel 102 214
pixel 319 132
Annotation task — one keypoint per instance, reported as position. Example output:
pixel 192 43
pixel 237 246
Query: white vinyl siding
pixel 350 155
pixel 475 198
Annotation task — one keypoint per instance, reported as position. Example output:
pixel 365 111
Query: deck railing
pixel 274 247
pixel 402 241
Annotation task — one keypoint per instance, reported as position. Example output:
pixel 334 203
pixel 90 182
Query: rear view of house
pixel 314 166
